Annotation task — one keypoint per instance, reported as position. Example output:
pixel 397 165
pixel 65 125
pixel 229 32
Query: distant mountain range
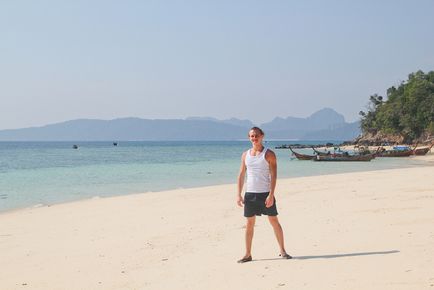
pixel 325 124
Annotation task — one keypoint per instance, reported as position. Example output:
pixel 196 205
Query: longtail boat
pixel 365 157
pixel 396 153
pixel 422 151
pixel 300 156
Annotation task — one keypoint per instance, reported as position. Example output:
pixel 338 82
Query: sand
pixel 365 230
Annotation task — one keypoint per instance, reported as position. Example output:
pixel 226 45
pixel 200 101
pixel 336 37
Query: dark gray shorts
pixel 254 204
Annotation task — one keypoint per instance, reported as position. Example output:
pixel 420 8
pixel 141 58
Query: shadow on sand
pixel 334 256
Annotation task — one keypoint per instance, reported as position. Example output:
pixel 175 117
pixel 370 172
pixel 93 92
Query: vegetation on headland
pixel 407 116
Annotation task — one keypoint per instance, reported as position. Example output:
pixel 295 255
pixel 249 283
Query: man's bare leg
pixel 250 225
pixel 278 231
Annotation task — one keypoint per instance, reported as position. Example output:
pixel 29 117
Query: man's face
pixel 255 137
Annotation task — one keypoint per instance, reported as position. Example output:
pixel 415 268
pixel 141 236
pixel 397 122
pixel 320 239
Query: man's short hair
pixel 257 130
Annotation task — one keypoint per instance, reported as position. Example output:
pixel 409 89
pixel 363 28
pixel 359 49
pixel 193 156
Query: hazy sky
pixel 62 60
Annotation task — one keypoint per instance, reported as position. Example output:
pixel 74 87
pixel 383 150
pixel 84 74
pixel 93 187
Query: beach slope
pixel 365 230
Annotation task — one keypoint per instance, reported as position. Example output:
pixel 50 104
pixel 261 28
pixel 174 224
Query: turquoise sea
pixel 35 173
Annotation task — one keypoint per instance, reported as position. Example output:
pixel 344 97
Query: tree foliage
pixel 408 110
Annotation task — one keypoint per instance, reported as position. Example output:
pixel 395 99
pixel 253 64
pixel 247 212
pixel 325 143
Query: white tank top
pixel 258 172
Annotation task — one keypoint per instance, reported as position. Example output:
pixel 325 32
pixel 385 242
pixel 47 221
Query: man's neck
pixel 258 148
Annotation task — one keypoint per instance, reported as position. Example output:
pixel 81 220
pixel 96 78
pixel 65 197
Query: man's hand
pixel 269 201
pixel 240 200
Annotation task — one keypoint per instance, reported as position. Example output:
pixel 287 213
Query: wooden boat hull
pixel 366 157
pixel 300 156
pixel 395 153
pixel 303 156
pixel 422 151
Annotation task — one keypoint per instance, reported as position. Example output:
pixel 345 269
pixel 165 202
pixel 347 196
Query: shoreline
pixel 427 159
pixel 344 229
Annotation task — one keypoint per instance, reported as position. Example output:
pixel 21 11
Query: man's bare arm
pixel 272 162
pixel 241 177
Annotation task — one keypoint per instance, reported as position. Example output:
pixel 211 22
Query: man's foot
pixel 245 259
pixel 285 256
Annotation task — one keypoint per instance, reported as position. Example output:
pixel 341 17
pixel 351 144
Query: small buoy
pixel 74 146
pixel 115 143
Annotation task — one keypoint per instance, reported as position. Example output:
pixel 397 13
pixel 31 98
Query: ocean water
pixel 35 173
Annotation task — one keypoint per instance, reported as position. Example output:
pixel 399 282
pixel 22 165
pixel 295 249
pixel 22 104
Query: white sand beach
pixel 364 230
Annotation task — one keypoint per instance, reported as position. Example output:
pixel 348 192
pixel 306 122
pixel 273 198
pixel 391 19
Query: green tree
pixel 408 110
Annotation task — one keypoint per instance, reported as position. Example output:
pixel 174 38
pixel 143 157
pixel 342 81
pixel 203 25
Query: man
pixel 260 164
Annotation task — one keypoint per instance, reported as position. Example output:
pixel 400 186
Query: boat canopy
pixel 401 148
